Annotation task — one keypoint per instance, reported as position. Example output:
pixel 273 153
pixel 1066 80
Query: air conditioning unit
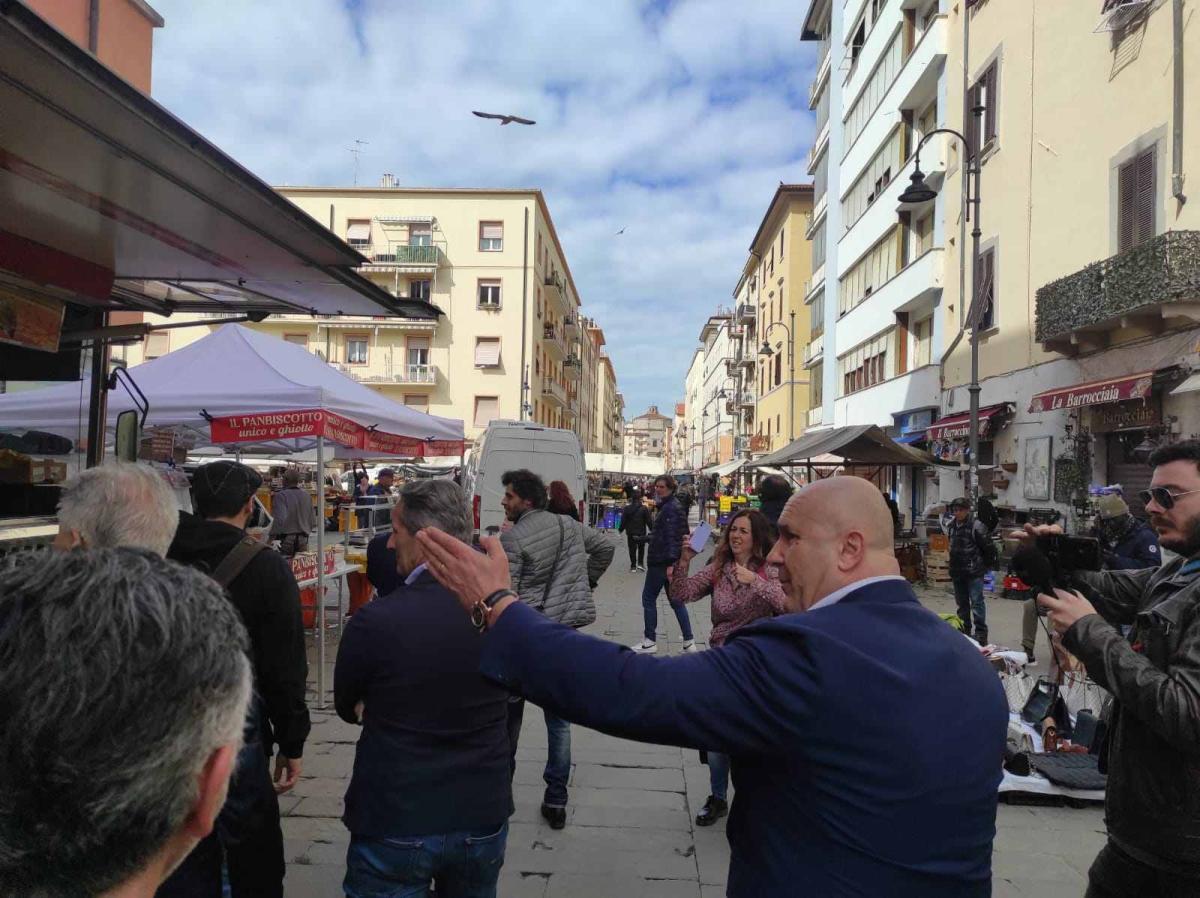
pixel 1116 15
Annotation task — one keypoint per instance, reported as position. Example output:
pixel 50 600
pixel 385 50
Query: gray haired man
pixel 114 506
pixel 124 682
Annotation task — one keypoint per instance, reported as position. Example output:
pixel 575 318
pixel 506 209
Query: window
pixel 926 122
pixel 417 355
pixel 922 332
pixel 781 230
pixel 420 289
pixel 779 423
pixel 356 350
pixel 985 93
pixel 865 366
pixel 1136 201
pixel 818 246
pixel 487 352
pixel 778 368
pixel 873 92
pixel 986 282
pixel 157 345
pixel 856 42
pixel 489 294
pixel 417 401
pixel 771 267
pixel 358 232
pixel 491 236
pixel 817 319
pixel 487 408
pixel 923 232
pixel 297 339
pixel 816 386
pixel 420 234
pixel 873 180
pixel 871 272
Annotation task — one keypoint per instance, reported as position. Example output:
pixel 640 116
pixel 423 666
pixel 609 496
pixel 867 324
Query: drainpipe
pixel 1177 124
pixel 93 26
pixel 524 370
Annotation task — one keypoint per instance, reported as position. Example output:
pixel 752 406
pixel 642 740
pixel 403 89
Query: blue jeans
pixel 968 595
pixel 656 580
pixel 462 865
pixel 718 775
pixel 558 753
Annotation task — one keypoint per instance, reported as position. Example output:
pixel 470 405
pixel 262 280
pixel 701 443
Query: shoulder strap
pixel 554 565
pixel 237 559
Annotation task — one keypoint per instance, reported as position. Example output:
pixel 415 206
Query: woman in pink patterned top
pixel 744 589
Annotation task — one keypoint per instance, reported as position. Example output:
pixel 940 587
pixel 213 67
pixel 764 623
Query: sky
pixel 673 119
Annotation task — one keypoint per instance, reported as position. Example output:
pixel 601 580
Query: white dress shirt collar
pixel 836 596
pixel 415 573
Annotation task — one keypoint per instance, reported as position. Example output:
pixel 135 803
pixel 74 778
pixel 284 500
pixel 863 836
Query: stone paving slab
pixel 630 829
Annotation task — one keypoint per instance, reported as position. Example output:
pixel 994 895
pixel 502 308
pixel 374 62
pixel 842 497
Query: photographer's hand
pixel 1064 608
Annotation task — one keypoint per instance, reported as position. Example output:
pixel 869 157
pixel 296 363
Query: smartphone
pixel 700 537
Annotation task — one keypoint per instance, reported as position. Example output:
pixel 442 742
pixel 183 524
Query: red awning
pixel 958 426
pixel 1115 389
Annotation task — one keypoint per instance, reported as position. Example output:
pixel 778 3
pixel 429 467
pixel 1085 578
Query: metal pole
pixel 976 314
pixel 792 377
pixel 320 615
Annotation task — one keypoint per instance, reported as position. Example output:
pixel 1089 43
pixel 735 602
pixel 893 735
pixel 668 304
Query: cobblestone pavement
pixel 630 828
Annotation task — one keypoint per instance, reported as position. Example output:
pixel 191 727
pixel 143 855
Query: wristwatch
pixel 481 609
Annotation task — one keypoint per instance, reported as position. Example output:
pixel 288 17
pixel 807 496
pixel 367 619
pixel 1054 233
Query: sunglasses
pixel 1162 496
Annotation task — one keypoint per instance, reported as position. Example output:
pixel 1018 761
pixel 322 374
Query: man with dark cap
pixel 971 555
pixel 262 588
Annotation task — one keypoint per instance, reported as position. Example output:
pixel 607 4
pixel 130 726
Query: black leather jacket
pixel 1152 755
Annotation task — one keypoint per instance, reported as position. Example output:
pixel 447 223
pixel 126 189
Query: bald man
pixel 866 736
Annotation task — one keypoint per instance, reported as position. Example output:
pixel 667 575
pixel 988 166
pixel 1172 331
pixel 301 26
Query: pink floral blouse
pixel 733 604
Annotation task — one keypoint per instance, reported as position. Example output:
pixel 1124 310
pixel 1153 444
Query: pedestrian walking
pixel 124 682
pixel 429 800
pixel 971 555
pixel 852 779
pixel 262 588
pixel 555 564
pixel 687 498
pixel 636 525
pixel 669 528
pixel 292 515
pixel 1152 799
pixel 561 501
pixel 773 494
pixel 744 588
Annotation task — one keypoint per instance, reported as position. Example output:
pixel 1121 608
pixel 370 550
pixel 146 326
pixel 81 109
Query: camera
pixel 1054 558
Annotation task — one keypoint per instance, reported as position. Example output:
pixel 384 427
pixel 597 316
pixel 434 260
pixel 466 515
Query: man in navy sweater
pixel 866 736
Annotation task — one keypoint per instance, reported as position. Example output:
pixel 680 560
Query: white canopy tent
pixel 611 463
pixel 726 468
pixel 239 387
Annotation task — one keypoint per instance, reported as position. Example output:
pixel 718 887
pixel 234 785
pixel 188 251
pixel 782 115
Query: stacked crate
pixel 937 559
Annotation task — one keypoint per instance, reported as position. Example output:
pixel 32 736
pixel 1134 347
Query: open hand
pixel 470 575
pixel 1064 608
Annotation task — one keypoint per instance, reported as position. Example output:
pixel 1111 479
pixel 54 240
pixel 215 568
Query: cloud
pixel 673 119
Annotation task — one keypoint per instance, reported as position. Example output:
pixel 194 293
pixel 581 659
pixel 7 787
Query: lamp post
pixel 920 192
pixel 767 352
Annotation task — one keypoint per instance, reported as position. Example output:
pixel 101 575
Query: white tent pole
pixel 320 618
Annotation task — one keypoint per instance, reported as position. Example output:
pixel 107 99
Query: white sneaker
pixel 645 647
pixel 689 645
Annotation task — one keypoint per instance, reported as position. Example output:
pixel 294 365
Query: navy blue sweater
pixel 866 738
pixel 433 756
pixel 666 541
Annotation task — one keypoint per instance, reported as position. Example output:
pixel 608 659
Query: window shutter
pixel 1126 194
pixel 973 133
pixel 990 80
pixel 359 231
pixel 486 409
pixel 492 230
pixel 487 352
pixel 1143 225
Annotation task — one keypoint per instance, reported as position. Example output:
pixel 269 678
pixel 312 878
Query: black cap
pixel 387 472
pixel 960 502
pixel 223 487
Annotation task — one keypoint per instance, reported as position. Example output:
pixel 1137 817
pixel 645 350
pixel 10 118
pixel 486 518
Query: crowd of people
pixel 153 676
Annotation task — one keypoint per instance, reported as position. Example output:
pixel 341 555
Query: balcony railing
pixel 746 313
pixel 401 255
pixel 401 374
pixel 572 368
pixel 814 350
pixel 556 288
pixel 1156 280
pixel 555 343
pixel 760 442
pixel 570 326
pixel 553 392
pixel 815 416
pixel 746 399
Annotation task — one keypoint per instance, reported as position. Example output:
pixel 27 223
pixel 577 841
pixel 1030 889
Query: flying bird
pixel 619 233
pixel 505 119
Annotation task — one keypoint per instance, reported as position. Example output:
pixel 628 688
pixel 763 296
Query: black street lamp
pixel 918 193
pixel 767 352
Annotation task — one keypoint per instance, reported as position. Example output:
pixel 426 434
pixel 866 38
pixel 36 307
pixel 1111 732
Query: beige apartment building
pixel 609 409
pixel 503 337
pixel 772 395
pixel 648 434
pixel 1089 255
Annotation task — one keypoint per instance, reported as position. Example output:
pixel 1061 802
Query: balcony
pixel 816 416
pixel 573 368
pixel 556 289
pixel 400 257
pixel 913 286
pixel 814 351
pixel 874 405
pixel 818 148
pixel 746 313
pixel 760 442
pixel 570 327
pixel 1142 288
pixel 814 90
pixel 554 394
pixel 745 399
pixel 555 345
pixel 400 375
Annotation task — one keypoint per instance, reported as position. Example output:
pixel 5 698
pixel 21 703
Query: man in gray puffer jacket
pixel 555 563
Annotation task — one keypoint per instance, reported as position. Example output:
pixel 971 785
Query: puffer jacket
pixel 967 541
pixel 666 541
pixel 532 544
pixel 1152 754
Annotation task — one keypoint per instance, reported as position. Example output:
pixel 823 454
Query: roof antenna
pixel 356 150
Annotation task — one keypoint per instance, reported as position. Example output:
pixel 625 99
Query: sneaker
pixel 634 569
pixel 642 568
pixel 645 647
pixel 689 645
pixel 714 809
pixel 556 817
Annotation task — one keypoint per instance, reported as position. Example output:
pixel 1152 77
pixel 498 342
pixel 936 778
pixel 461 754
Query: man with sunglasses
pixel 1152 754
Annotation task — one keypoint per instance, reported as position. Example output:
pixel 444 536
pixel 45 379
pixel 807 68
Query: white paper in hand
pixel 700 537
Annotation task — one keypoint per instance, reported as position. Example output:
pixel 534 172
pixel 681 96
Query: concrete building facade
pixel 648 434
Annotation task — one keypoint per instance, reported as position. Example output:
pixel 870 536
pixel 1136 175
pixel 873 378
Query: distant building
pixel 648 434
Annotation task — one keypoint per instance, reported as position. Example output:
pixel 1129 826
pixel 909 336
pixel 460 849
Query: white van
pixel 551 453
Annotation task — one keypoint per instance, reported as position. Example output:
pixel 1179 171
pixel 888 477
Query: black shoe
pixel 1029 655
pixel 714 809
pixel 556 817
